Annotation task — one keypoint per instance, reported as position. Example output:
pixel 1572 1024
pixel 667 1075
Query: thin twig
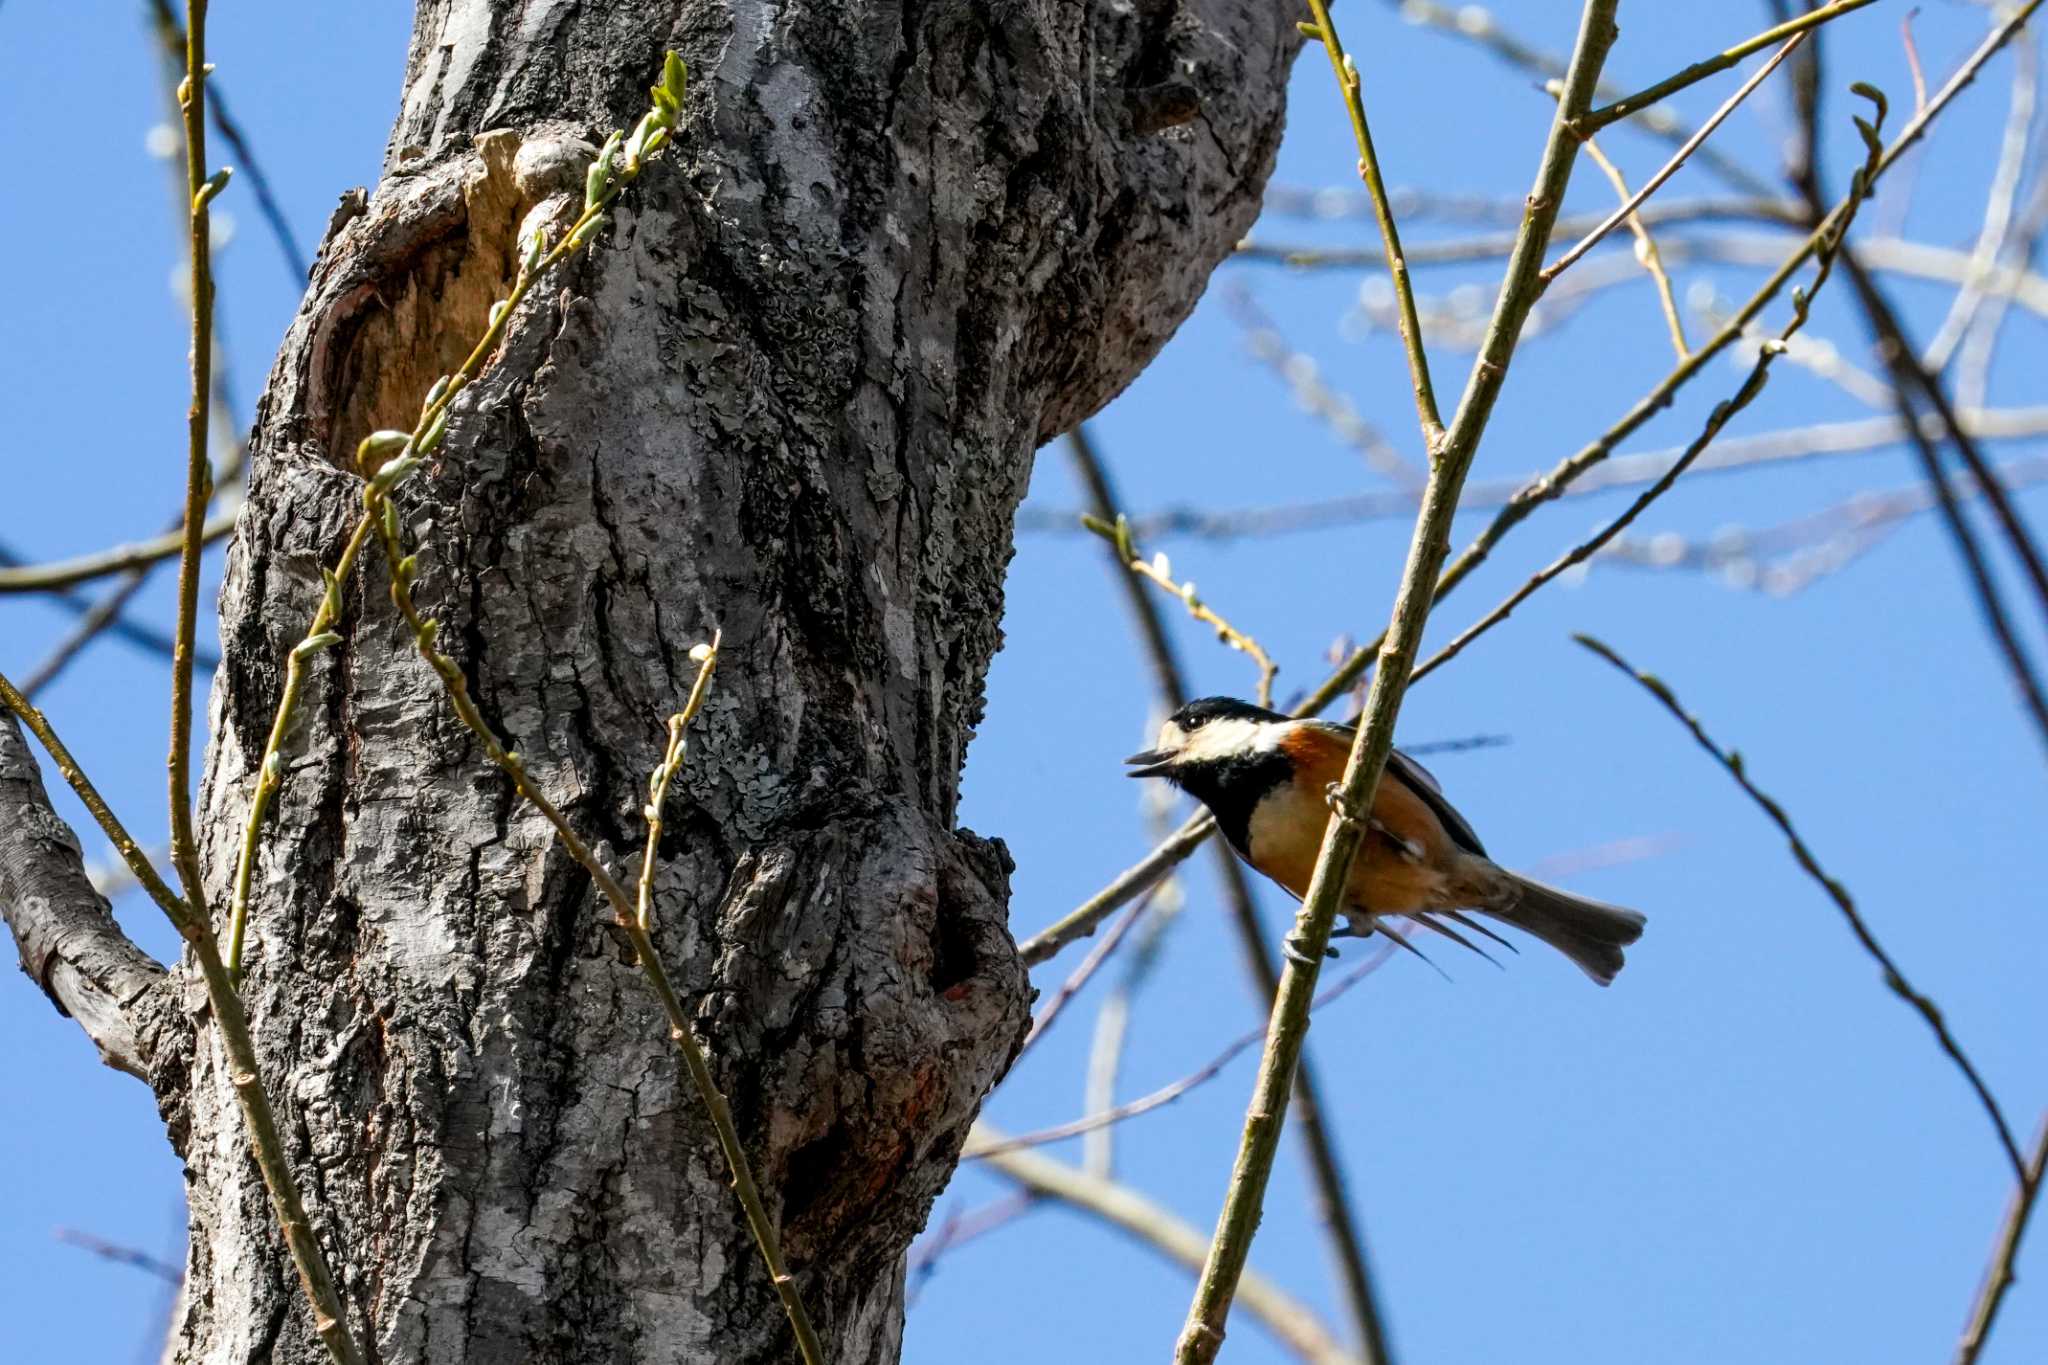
pixel 1413 205
pixel 1998 1276
pixel 665 773
pixel 624 910
pixel 1326 1172
pixel 1202 1337
pixel 387 459
pixel 1691 144
pixel 1973 374
pixel 1699 71
pixel 65 573
pixel 1920 260
pixel 294 256
pixel 1789 445
pixel 1159 570
pixel 1913 58
pixel 1349 82
pixel 1894 979
pixel 1818 544
pixel 399 453
pixel 1291 1321
pixel 1167 1094
pixel 1751 386
pixel 232 1022
pixel 198 469
pixel 1646 251
pixel 1101 952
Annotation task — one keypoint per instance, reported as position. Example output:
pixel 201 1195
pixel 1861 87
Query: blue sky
pixel 1747 1150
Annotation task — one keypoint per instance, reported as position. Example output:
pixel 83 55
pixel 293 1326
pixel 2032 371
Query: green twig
pixel 1397 265
pixel 393 455
pixel 201 188
pixel 1894 979
pixel 387 458
pixel 244 1071
pixel 631 918
pixel 1721 61
pixel 1202 1336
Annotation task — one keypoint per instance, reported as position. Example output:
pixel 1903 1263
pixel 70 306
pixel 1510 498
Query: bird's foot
pixel 1295 949
pixel 1333 796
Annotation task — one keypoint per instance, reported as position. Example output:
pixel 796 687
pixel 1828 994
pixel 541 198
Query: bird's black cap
pixel 1199 713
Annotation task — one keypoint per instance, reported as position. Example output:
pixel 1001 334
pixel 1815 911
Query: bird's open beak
pixel 1150 763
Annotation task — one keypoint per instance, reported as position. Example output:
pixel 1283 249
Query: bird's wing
pixel 1417 779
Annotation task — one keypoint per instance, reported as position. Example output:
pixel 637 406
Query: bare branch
pixel 1998 1276
pixel 1894 979
pixel 1292 1321
pixel 65 931
pixel 1998 210
pixel 1794 29
pixel 1788 446
pixel 1646 250
pixel 1921 260
pixel 65 573
pixel 1686 149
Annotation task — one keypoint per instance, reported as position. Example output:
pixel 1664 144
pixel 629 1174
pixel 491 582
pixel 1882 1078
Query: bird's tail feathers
pixel 1591 933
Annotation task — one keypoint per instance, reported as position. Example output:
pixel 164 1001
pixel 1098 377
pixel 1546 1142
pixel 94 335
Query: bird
pixel 1272 780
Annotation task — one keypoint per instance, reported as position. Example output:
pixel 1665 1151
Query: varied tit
pixel 1270 781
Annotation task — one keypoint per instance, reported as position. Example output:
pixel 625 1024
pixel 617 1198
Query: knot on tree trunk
pixel 868 979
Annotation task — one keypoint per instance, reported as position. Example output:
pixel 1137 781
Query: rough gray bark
pixel 63 928
pixel 794 393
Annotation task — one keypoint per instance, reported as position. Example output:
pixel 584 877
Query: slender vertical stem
pixel 1341 1224
pixel 192 103
pixel 232 1022
pixel 1397 264
pixel 1646 251
pixel 1202 1336
pixel 1998 1276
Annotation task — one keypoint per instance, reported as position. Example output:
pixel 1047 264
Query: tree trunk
pixel 794 393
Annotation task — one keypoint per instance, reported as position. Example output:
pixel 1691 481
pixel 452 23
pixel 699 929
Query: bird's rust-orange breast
pixel 1286 831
